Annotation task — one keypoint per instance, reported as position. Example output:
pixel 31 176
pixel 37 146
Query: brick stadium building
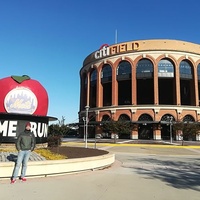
pixel 151 83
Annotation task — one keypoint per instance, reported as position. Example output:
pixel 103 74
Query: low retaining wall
pixel 56 167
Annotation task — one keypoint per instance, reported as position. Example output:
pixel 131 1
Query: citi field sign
pixel 23 100
pixel 106 50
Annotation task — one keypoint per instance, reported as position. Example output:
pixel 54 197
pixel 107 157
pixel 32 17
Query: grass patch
pixel 50 155
pixel 8 150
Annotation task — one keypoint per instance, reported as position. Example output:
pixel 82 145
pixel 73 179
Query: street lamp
pixel 86 124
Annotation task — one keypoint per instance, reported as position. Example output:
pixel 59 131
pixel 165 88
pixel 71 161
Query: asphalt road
pixel 141 172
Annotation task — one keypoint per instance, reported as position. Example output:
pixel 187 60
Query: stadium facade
pixel 151 83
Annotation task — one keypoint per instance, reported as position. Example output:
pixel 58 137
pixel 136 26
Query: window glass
pixel 188 118
pixel 185 68
pixel 144 66
pixel 106 71
pixel 124 68
pixel 105 118
pixel 124 117
pixel 94 75
pixel 145 117
pixel 165 68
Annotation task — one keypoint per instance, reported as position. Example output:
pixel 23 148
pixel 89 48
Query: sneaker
pixel 23 179
pixel 13 181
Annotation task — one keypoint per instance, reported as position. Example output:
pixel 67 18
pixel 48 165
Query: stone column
pixel 134 132
pixel 156 131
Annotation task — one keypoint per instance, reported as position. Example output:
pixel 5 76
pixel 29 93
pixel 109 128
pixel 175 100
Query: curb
pixel 60 167
pixel 100 145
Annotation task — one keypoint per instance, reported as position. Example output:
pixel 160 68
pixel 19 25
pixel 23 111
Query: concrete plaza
pixel 152 172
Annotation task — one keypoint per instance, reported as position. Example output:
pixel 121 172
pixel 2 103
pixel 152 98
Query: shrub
pixel 54 140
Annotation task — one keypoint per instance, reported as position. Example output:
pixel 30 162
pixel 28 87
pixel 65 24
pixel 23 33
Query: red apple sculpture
pixel 23 95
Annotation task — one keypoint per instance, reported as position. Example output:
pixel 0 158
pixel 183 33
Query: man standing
pixel 25 144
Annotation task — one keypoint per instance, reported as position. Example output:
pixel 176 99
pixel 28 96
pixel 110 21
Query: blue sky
pixel 49 39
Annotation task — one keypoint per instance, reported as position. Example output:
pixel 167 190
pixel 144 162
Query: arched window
pixel 124 70
pixel 124 81
pixel 188 118
pixel 93 89
pixel 185 70
pixel 106 81
pixel 167 127
pixel 145 117
pixel 167 118
pixel 93 75
pixel 124 117
pixel 188 121
pixel 106 73
pixel 144 69
pixel 145 129
pixel 105 118
pixel 187 84
pixel 166 83
pixel 145 82
pixel 165 68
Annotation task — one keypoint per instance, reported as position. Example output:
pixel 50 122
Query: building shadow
pixel 177 174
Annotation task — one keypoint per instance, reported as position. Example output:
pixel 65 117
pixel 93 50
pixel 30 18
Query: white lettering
pixel 102 52
pixel 12 128
pixel 45 130
pixel 34 128
pixel 96 55
pixel 3 128
pixel 9 129
pixel 40 130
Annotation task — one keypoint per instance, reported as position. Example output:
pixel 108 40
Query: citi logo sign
pixel 102 52
pixel 106 50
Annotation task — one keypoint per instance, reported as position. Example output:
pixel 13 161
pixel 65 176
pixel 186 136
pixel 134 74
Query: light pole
pixel 86 124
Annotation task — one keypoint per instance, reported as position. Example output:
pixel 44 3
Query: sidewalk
pixel 106 144
pixel 147 172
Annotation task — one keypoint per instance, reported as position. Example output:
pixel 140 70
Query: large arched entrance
pixel 167 127
pixel 188 119
pixel 145 130
pixel 126 132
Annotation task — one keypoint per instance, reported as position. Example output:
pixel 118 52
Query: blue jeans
pixel 22 159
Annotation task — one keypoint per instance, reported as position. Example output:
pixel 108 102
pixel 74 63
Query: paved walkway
pixel 140 172
pixel 138 147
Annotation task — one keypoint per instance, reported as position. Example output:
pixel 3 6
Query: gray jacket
pixel 25 141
